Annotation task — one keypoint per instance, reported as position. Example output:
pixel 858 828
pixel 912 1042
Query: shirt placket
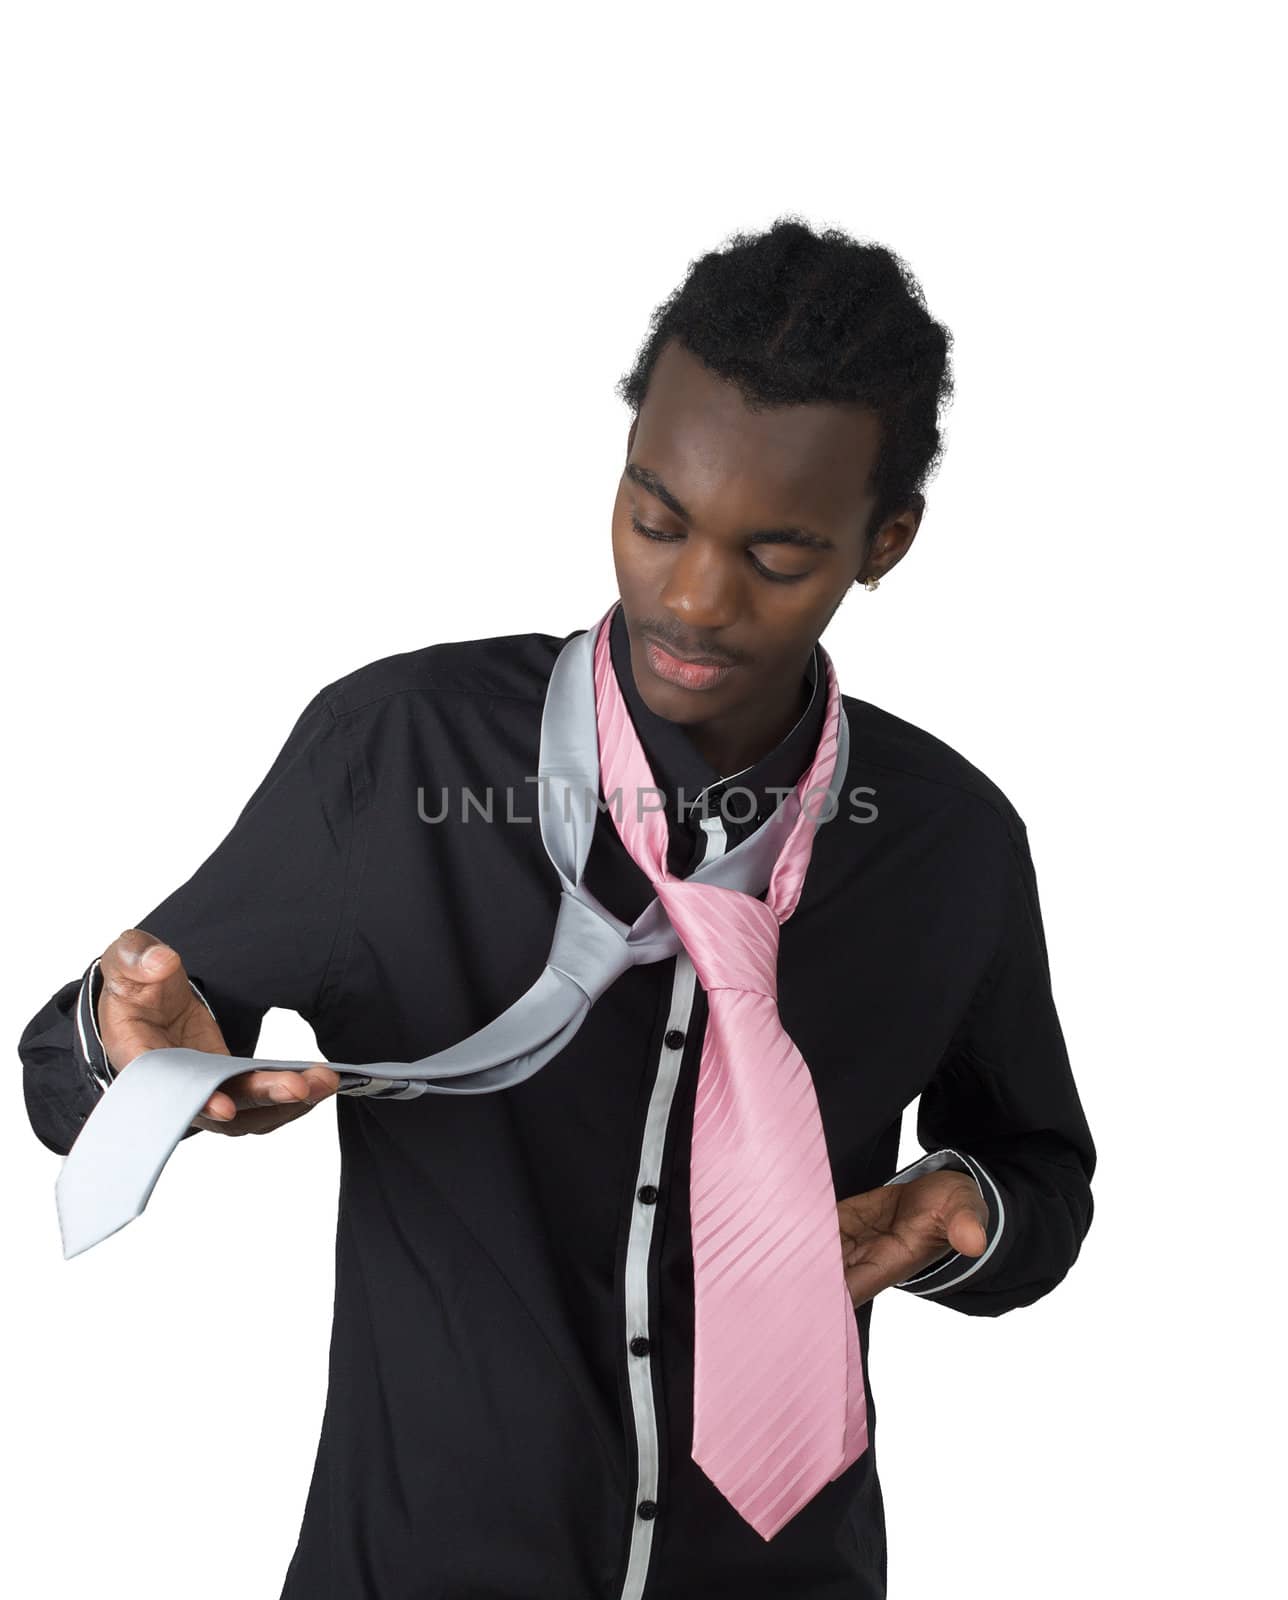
pixel 639 1312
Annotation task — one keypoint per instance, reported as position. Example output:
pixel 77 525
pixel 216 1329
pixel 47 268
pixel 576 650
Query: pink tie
pixel 779 1407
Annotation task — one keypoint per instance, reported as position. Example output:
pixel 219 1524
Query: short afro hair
pixel 793 316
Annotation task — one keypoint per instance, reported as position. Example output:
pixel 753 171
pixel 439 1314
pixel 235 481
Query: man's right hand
pixel 147 1003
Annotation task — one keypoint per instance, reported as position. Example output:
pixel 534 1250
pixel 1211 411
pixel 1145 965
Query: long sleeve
pixel 1004 1107
pixel 60 1081
pixel 258 925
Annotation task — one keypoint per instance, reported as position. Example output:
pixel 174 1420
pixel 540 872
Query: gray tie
pixel 110 1171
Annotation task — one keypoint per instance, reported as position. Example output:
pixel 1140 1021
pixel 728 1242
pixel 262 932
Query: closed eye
pixel 671 538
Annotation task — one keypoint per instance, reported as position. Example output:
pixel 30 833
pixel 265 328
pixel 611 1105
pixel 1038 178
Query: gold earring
pixel 871 583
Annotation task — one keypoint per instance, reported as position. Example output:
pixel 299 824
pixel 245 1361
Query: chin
pixel 669 701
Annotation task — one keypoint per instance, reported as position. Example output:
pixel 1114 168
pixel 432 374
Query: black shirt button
pixel 640 1346
pixel 648 1194
pixel 647 1509
pixel 674 1039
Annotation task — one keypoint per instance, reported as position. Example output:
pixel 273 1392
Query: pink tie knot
pixel 731 937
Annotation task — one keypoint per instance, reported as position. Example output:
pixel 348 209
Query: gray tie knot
pixel 590 947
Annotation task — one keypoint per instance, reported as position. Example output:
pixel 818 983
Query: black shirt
pixel 509 1405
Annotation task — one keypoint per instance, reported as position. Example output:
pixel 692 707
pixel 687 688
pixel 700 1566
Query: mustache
pixel 689 648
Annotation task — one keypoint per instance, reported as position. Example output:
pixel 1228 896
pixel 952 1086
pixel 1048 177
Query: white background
pixel 311 318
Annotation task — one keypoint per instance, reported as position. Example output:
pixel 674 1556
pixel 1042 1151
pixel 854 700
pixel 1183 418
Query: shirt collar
pixel 692 786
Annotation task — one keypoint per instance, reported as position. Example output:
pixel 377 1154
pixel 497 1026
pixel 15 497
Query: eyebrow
pixel 798 536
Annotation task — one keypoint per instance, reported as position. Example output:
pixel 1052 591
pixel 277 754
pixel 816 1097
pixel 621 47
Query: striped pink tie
pixel 779 1408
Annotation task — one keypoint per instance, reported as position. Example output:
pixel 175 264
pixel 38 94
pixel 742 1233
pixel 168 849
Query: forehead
pixel 696 432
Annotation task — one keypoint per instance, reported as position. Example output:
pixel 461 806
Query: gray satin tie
pixel 111 1169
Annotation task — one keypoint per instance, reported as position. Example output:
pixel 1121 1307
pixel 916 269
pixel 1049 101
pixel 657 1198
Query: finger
pixel 248 1090
pixel 245 1091
pixel 265 1121
pixel 255 1119
pixel 219 1124
pixel 259 1119
pixel 220 1107
pixel 967 1228
pixel 866 1280
pixel 322 1081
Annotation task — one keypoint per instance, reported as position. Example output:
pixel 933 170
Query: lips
pixel 686 674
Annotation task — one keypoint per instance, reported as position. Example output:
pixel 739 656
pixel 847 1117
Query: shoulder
pixel 514 667
pixel 922 765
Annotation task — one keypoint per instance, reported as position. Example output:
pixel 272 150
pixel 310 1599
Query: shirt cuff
pixel 955 1268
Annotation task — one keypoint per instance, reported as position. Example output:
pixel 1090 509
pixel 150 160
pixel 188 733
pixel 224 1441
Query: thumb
pixel 158 961
pixel 143 957
pixel 967 1230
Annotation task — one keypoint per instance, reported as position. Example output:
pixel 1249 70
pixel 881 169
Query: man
pixel 511 1398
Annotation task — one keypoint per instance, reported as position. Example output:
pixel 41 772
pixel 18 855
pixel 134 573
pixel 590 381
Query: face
pixel 736 535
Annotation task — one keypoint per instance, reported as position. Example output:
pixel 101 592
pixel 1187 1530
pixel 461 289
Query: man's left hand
pixel 891 1233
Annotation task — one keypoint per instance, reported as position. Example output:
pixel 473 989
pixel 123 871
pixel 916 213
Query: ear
pixel 892 539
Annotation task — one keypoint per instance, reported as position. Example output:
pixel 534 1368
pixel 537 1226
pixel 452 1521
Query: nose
pixel 701 590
